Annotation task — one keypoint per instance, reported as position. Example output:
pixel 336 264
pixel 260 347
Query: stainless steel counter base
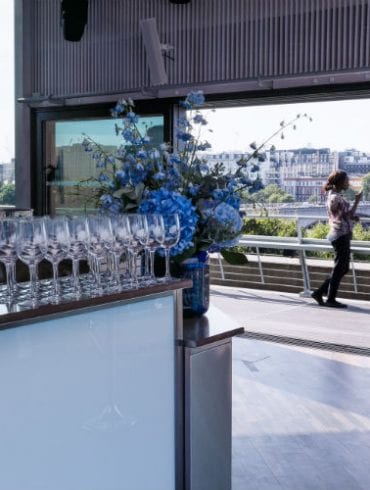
pixel 208 417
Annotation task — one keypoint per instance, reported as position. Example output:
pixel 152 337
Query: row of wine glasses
pixel 102 241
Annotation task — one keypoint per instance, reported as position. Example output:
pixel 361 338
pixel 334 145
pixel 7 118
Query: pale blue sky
pixel 337 125
pixel 6 81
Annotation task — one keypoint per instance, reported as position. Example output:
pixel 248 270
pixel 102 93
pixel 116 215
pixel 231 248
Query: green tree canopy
pixel 7 194
pixel 270 194
pixel 366 187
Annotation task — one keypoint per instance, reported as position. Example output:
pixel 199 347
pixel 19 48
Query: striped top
pixel 340 216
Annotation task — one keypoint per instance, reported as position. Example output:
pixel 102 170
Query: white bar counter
pixel 94 393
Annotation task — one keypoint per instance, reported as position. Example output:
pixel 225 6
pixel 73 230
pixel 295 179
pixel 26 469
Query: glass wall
pixel 71 172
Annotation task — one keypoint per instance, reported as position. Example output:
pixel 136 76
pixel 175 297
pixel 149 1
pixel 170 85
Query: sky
pixel 338 125
pixel 6 81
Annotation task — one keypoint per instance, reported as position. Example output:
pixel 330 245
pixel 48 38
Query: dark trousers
pixel 342 251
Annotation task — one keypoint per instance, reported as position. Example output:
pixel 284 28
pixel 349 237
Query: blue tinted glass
pixel 72 170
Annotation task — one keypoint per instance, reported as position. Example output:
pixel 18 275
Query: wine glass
pixel 139 232
pixel 57 248
pixel 77 228
pixel 171 224
pixel 99 241
pixel 122 238
pixel 155 239
pixel 31 247
pixel 8 253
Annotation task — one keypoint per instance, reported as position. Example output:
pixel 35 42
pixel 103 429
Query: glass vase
pixel 196 298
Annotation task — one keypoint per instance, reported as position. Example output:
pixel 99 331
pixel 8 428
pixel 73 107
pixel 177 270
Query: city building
pixel 354 162
pixel 7 172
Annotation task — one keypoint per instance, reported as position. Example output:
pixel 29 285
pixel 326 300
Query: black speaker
pixel 179 2
pixel 74 18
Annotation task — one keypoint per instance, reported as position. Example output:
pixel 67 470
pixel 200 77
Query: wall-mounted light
pixel 74 18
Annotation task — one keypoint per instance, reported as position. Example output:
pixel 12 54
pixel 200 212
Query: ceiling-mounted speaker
pixel 153 48
pixel 74 18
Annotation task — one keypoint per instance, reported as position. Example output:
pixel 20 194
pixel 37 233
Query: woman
pixel 341 220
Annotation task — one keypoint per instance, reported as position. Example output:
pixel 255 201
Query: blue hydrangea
pixel 163 201
pixel 223 226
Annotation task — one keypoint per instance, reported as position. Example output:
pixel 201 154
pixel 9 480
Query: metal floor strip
pixel 350 349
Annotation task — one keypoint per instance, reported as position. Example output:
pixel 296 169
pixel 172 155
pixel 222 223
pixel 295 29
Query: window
pixel 64 175
pixel 72 173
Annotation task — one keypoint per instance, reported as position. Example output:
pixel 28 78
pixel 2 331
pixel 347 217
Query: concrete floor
pixel 290 315
pixel 301 416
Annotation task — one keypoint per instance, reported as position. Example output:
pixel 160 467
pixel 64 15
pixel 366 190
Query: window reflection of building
pixel 72 171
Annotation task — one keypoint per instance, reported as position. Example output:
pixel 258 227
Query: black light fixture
pixel 179 2
pixel 74 18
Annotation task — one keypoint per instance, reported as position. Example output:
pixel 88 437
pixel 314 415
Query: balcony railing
pixel 301 246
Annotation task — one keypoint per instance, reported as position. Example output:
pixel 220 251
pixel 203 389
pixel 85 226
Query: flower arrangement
pixel 146 179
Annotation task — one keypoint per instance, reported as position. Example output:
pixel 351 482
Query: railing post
pixel 260 265
pixel 221 267
pixel 306 275
pixel 354 277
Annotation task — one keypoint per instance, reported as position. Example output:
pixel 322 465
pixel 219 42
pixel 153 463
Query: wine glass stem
pixel 167 274
pixel 116 273
pixel 75 272
pixel 10 277
pixel 133 272
pixel 146 261
pixel 55 279
pixel 152 254
pixel 98 276
pixel 33 276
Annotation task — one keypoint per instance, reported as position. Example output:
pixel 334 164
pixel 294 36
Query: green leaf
pixel 130 206
pixel 234 258
pixel 123 191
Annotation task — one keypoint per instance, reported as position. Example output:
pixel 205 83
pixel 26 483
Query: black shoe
pixel 335 304
pixel 318 297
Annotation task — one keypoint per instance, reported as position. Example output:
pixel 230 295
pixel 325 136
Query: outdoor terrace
pixel 301 392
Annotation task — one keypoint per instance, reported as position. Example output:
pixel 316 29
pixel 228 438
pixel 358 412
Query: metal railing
pixel 301 245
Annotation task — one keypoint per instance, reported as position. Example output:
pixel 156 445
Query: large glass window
pixel 71 172
pixel 7 179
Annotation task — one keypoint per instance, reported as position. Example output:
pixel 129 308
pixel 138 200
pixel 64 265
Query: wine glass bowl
pixel 57 248
pixel 31 248
pixel 8 253
pixel 171 237
pixel 77 228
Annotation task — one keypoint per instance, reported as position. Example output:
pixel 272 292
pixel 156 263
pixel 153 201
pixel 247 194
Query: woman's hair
pixel 335 179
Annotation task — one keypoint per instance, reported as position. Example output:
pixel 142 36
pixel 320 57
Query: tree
pixel 273 193
pixel 7 194
pixel 366 187
pixel 349 194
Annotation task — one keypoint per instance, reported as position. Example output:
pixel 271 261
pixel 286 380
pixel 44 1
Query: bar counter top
pixel 212 327
pixel 17 314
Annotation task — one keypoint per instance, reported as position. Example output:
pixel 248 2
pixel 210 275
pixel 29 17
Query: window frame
pixel 41 116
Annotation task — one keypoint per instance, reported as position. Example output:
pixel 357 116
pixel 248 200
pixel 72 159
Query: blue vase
pixel 196 299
